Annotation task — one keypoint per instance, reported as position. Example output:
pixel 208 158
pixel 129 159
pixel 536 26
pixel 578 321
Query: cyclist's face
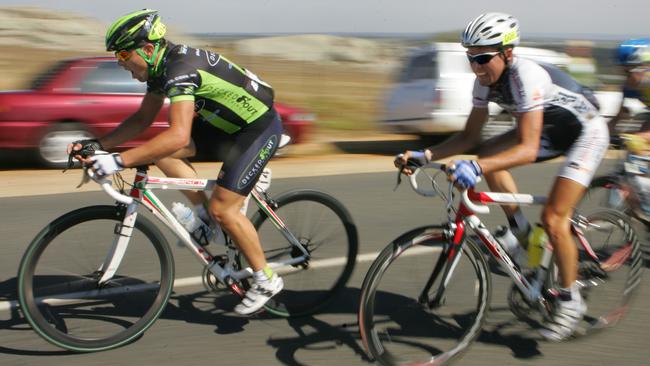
pixel 135 64
pixel 635 74
pixel 489 72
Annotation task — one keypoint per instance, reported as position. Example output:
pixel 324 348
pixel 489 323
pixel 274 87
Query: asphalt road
pixel 199 328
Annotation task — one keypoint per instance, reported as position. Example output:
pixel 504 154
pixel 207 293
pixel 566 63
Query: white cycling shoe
pixel 259 294
pixel 565 320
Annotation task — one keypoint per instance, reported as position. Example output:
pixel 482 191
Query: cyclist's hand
pixel 410 160
pixel 85 148
pixel 106 164
pixel 465 173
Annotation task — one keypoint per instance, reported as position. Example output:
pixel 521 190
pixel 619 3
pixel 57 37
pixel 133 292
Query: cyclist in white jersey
pixel 555 116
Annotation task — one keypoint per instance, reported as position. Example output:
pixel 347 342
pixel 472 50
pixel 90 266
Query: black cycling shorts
pixel 250 151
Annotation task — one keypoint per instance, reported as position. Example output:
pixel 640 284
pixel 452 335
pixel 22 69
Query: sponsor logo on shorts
pixel 256 166
pixel 578 167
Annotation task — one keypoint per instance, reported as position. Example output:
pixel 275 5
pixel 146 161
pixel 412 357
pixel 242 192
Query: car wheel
pixel 52 146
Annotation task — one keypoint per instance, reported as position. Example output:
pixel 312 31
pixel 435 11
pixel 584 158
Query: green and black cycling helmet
pixel 134 30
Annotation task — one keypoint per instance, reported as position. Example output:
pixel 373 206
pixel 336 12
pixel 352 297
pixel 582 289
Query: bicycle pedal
pixel 591 271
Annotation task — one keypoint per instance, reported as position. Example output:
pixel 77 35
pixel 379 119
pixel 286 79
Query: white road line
pixel 323 263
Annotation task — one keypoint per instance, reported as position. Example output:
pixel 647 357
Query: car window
pixel 453 64
pixel 419 67
pixel 43 78
pixel 109 77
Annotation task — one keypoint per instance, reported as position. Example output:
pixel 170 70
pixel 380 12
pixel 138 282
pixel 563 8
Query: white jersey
pixel 528 86
pixel 572 124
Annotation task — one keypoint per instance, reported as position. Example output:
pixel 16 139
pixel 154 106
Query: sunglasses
pixel 123 55
pixel 481 58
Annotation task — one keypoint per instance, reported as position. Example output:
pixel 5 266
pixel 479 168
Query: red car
pixel 85 98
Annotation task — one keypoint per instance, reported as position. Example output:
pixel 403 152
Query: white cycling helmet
pixel 491 29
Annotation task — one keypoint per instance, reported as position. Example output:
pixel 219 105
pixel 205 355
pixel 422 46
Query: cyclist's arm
pixel 136 123
pixel 529 131
pixel 630 90
pixel 464 141
pixel 176 137
pixel 619 115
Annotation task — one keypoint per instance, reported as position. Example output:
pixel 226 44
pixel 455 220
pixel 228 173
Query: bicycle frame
pixel 142 193
pixel 622 177
pixel 466 217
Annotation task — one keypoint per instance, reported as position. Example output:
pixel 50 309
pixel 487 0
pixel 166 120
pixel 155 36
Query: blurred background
pixel 366 70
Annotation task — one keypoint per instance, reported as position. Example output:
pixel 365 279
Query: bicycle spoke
pixel 59 285
pixel 412 319
pixel 329 244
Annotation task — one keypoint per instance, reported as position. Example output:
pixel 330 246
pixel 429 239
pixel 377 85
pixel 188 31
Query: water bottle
pixel 197 228
pixel 536 245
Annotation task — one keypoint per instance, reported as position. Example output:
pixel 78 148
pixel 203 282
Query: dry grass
pixel 344 96
pixel 18 65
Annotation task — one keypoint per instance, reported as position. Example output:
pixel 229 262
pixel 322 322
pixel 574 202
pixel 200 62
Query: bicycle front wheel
pixel 59 285
pixel 420 302
pixel 608 283
pixel 326 231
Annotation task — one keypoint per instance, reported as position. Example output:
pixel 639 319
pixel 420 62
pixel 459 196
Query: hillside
pixel 341 79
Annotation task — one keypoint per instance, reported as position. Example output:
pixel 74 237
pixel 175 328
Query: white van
pixel 433 93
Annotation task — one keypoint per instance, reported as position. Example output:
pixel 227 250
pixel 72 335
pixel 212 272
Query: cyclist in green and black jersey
pixel 203 88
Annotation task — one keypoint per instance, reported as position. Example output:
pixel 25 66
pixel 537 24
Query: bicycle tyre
pixel 396 326
pixel 118 308
pixel 314 218
pixel 608 192
pixel 608 288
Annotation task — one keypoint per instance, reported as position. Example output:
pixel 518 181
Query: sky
pixel 610 18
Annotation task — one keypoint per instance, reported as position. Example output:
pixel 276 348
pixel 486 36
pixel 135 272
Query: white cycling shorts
pixel 585 154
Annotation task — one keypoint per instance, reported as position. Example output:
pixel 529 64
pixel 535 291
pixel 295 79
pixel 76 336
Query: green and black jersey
pixel 225 95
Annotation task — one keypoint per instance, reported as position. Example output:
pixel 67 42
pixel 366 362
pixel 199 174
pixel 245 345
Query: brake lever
pixel 84 152
pixel 410 164
pixel 70 163
pixel 399 177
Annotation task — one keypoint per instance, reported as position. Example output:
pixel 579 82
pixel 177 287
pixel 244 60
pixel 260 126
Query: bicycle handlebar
pixel 478 208
pixel 107 186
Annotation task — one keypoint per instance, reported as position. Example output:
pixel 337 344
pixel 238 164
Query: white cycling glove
pixel 107 164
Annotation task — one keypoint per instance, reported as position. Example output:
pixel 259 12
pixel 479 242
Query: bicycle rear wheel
pixel 326 230
pixel 402 318
pixel 58 280
pixel 610 193
pixel 609 283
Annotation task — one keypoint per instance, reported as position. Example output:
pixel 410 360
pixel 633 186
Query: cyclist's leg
pixel 177 166
pixel 502 181
pixel 224 207
pixel 570 307
pixel 564 196
pixel 574 177
pixel 253 148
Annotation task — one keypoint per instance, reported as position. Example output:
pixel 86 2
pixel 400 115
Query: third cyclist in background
pixel 554 116
pixel 634 57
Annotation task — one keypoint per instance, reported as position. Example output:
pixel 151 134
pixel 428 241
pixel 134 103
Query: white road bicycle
pixel 97 277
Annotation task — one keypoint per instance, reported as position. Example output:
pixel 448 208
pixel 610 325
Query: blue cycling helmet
pixel 633 52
